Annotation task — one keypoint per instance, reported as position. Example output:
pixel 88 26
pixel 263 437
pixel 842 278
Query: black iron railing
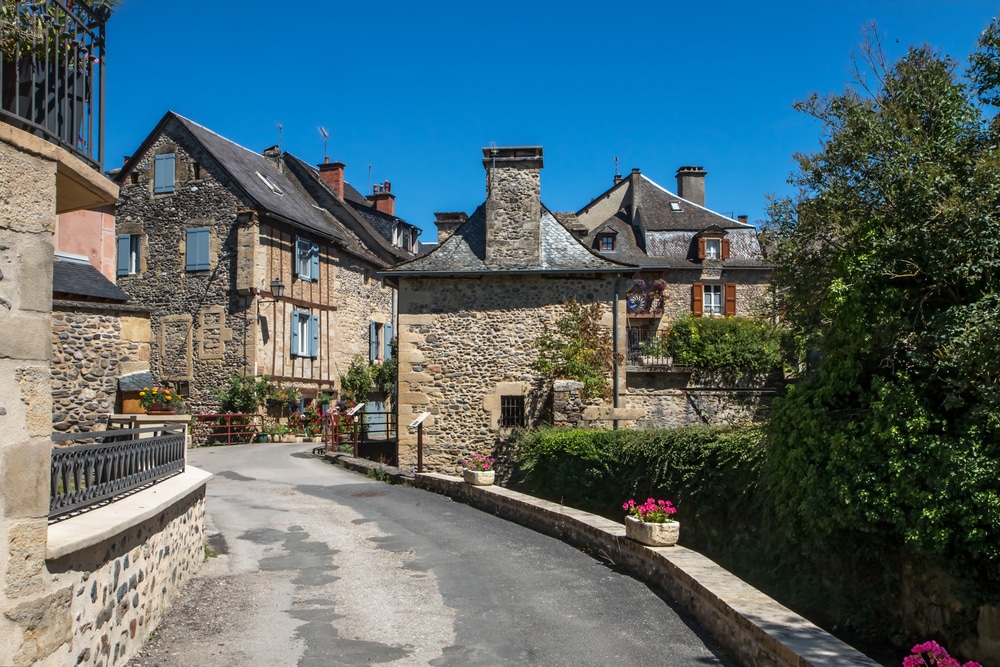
pixel 116 463
pixel 646 347
pixel 52 72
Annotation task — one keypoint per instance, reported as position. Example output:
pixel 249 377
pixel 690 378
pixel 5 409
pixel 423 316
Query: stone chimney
pixel 274 155
pixel 691 184
pixel 332 174
pixel 448 223
pixel 513 206
pixel 385 201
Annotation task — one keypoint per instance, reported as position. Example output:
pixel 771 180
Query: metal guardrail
pixel 121 461
pixel 51 79
pixel 226 428
pixel 370 435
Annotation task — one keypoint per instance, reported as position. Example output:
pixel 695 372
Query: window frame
pixel 713 248
pixel 716 300
pixel 609 239
pixel 304 336
pixel 129 258
pixel 306 260
pixel 513 411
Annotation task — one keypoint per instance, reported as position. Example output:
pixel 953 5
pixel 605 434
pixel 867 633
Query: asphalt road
pixel 321 566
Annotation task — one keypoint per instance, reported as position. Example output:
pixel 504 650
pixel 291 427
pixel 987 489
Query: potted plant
pixel 160 401
pixel 656 352
pixel 652 522
pixel 478 470
pixel 660 286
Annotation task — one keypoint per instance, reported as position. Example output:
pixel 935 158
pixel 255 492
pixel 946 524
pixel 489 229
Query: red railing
pixel 229 428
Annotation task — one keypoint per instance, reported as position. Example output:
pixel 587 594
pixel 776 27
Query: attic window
pixel 675 206
pixel 606 242
pixel 270 184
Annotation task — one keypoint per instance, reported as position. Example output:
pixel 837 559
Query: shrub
pixel 245 393
pixel 726 344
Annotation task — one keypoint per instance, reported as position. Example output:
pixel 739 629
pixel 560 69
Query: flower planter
pixel 478 477
pixel 652 534
pixel 159 409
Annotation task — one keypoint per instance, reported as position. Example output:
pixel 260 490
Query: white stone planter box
pixel 478 477
pixel 652 534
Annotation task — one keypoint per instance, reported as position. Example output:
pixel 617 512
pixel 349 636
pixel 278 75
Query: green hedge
pixel 726 344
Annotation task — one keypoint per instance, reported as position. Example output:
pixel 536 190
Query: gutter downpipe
pixel 616 388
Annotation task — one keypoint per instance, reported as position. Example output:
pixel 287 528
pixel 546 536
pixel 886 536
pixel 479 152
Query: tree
pixel 886 260
pixel 579 349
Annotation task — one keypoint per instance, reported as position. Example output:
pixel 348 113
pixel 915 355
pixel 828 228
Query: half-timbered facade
pixel 250 263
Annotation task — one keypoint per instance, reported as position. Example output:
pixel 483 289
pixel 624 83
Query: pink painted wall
pixel 90 233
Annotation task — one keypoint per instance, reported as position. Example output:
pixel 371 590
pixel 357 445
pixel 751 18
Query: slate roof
pixel 289 201
pixel 77 277
pixel 661 236
pixel 465 252
pixel 136 381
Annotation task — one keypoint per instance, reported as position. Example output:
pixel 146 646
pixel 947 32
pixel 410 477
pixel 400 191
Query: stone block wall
pixel 464 342
pixel 92 344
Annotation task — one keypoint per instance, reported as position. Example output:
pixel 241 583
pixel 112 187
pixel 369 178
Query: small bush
pixel 726 344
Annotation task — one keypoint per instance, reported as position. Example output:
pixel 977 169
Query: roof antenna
pixel 324 134
pixel 369 180
pixel 279 135
pixel 617 174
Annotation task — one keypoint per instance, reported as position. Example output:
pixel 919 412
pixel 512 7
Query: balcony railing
pixel 641 352
pixel 115 463
pixel 51 79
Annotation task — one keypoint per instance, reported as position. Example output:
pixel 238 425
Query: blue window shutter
pixel 372 341
pixel 314 336
pixel 294 345
pixel 163 173
pixel 388 342
pixel 197 249
pixel 124 254
pixel 314 261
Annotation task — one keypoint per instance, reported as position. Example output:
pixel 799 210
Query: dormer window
pixel 713 248
pixel 606 242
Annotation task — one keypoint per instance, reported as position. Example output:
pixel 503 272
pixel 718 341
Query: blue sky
pixel 416 89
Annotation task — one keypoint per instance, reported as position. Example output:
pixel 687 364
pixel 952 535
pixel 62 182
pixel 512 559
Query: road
pixel 322 566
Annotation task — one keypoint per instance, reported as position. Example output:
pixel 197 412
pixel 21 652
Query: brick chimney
pixel 742 218
pixel 385 201
pixel 691 184
pixel 332 174
pixel 513 206
pixel 448 223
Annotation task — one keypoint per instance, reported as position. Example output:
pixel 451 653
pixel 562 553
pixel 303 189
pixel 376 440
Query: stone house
pixel 253 264
pixel 471 309
pixel 712 265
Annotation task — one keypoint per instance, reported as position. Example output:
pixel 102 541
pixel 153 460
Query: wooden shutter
pixel 388 342
pixel 314 336
pixel 701 248
pixel 314 261
pixel 697 298
pixel 729 302
pixel 294 342
pixel 163 173
pixel 725 248
pixel 197 249
pixel 124 254
pixel 372 341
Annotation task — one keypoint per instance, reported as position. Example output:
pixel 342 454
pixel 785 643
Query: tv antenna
pixel 325 135
pixel 617 175
pixel 279 134
pixel 369 179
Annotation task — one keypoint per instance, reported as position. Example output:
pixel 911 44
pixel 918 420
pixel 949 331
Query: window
pixel 606 242
pixel 271 185
pixel 675 206
pixel 512 412
pixel 307 259
pixel 305 335
pixel 163 173
pixel 197 249
pixel 713 300
pixel 128 254
pixel 379 341
pixel 713 248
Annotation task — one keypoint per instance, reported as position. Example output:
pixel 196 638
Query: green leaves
pixel 579 349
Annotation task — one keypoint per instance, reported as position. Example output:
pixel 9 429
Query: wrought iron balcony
pixel 52 72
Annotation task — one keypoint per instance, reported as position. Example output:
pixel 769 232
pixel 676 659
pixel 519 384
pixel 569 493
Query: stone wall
pixel 753 292
pixel 115 593
pixel 92 345
pixel 513 210
pixel 464 343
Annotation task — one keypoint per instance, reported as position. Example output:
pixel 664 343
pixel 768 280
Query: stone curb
pixel 755 628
